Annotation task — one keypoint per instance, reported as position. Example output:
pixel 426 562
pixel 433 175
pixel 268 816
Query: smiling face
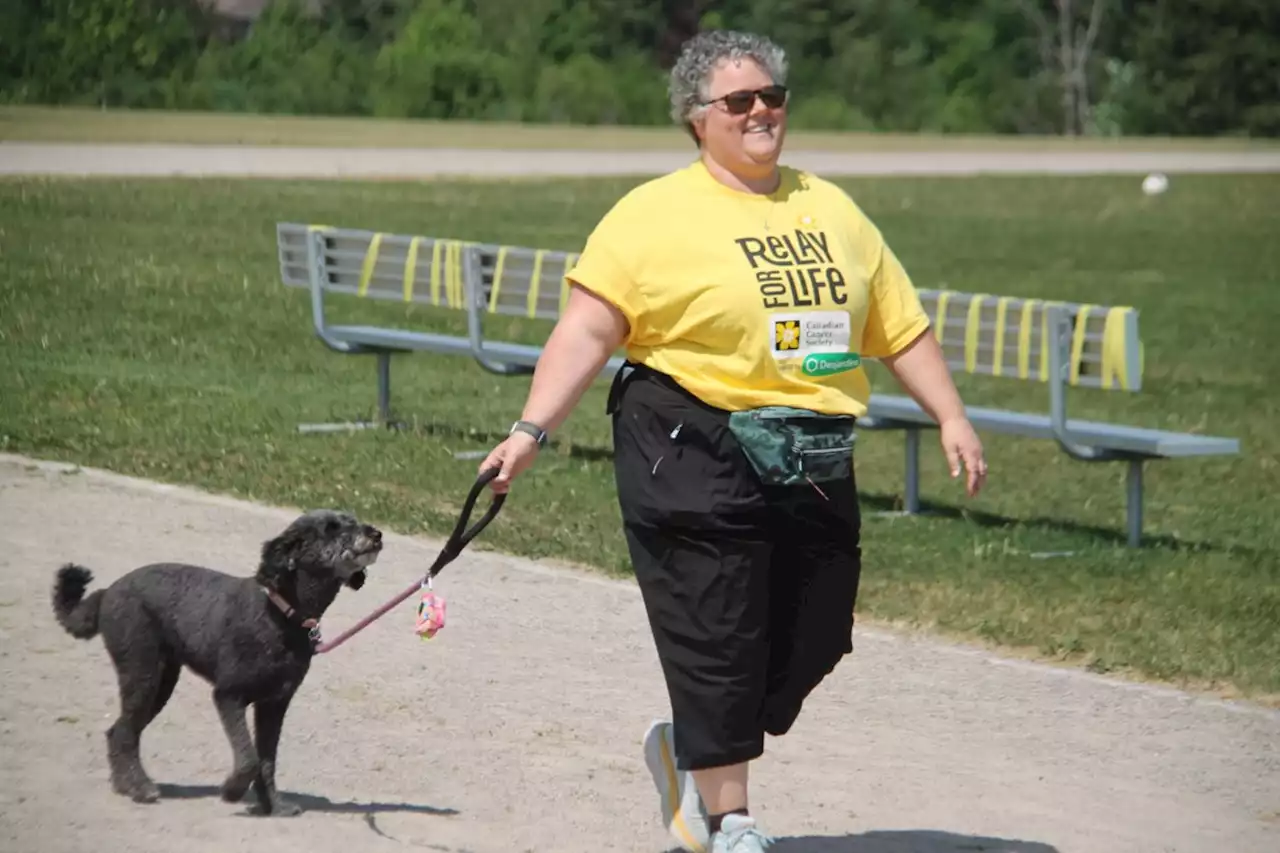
pixel 747 144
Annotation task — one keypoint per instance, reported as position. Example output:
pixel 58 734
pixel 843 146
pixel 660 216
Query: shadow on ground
pixel 904 841
pixel 308 802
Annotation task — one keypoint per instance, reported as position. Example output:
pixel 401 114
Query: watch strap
pixel 530 428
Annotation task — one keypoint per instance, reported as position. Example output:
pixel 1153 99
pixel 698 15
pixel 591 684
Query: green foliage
pixel 438 66
pixel 98 51
pixel 290 62
pixel 951 66
pixel 1214 68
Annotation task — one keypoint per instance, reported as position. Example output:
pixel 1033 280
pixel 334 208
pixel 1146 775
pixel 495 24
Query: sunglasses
pixel 741 101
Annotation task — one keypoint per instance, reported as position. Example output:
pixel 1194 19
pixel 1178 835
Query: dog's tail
pixel 77 614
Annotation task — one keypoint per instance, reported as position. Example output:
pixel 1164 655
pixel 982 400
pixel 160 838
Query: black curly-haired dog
pixel 250 637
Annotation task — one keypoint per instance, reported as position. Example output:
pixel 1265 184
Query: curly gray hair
pixel 700 55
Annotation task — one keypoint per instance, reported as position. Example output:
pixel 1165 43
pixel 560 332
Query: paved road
pixel 235 160
pixel 518 727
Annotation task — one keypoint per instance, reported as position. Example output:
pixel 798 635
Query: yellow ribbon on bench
pixel 535 279
pixel 1002 312
pixel 496 284
pixel 1024 337
pixel 1077 342
pixel 446 270
pixel 411 268
pixel 1114 354
pixel 436 245
pixel 973 331
pixel 458 298
pixel 370 262
pixel 940 322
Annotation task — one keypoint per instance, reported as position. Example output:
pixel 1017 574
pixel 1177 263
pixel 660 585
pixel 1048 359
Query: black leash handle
pixel 457 541
pixel 462 535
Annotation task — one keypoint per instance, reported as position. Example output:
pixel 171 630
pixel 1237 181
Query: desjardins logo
pixel 828 363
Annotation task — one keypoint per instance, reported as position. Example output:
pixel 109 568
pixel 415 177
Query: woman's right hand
pixel 514 456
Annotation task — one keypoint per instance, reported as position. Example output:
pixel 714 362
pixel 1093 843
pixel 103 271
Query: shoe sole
pixel 673 812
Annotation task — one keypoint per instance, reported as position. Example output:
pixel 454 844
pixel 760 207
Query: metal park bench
pixel 1059 344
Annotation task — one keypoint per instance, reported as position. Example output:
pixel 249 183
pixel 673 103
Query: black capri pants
pixel 749 589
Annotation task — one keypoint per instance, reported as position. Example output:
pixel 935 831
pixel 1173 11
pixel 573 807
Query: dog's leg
pixel 142 670
pixel 268 719
pixel 168 681
pixel 123 739
pixel 245 768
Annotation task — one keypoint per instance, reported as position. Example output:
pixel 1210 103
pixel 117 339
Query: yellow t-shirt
pixel 749 300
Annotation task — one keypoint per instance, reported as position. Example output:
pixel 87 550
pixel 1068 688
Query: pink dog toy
pixel 430 612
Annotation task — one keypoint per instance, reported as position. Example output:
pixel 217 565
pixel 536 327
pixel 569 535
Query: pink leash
pixel 431 610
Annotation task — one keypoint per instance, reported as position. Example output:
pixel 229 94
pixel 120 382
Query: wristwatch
pixel 538 433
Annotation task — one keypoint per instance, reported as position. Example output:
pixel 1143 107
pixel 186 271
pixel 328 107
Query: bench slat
pixel 410 341
pixel 1153 442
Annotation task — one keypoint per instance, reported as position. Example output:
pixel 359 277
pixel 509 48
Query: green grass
pixel 82 124
pixel 144 330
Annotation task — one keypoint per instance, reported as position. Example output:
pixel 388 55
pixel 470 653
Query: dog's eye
pixel 332 526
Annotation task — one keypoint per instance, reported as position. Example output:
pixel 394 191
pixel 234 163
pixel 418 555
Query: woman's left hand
pixel 961 444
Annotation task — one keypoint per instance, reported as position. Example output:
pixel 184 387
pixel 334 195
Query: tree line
pixel 1074 67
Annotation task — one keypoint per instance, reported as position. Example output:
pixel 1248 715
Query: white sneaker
pixel 682 811
pixel 739 834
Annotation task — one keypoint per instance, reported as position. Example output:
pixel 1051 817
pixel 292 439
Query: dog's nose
pixel 375 534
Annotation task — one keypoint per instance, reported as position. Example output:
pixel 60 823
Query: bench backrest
pixel 985 334
pixel 1005 336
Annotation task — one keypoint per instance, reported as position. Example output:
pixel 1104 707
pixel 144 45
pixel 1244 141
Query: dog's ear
pixel 279 555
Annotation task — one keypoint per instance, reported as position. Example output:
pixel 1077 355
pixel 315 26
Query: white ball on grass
pixel 1155 183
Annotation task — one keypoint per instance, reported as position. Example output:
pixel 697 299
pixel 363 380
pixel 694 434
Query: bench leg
pixel 1133 483
pixel 383 420
pixel 911 446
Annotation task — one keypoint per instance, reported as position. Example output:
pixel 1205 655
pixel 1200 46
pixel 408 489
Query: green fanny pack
pixel 788 446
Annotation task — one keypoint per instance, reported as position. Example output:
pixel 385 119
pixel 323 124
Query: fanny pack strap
pixel 619 385
pixel 632 371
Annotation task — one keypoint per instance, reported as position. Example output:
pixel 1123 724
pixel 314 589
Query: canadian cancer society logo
pixel 786 335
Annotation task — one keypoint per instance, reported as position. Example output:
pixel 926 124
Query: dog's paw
pixel 146 793
pixel 279 807
pixel 140 791
pixel 237 785
pixel 285 808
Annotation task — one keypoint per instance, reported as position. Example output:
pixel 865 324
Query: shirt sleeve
pixel 895 316
pixel 607 267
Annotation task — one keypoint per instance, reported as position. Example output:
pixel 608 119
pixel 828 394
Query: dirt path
pixel 518 728
pixel 282 161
